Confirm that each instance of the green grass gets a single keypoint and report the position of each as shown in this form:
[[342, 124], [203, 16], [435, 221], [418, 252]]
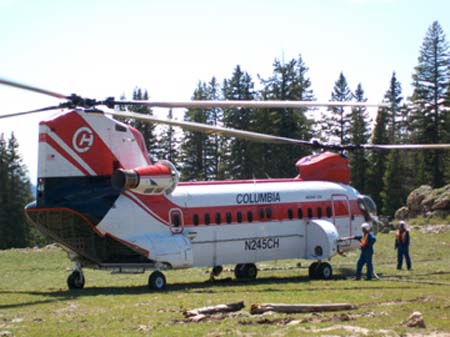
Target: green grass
[[34, 300]]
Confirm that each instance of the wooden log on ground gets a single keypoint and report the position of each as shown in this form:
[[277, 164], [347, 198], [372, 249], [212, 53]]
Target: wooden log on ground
[[298, 308], [215, 309]]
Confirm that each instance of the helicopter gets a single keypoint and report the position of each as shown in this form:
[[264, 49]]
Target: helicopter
[[101, 198]]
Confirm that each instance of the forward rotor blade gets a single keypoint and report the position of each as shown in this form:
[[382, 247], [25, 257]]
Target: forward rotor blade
[[31, 88], [205, 128], [406, 146], [249, 104], [30, 112]]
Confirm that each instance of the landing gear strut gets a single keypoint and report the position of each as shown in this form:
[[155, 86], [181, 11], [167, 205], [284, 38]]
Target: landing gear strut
[[76, 279], [320, 270], [157, 280], [245, 271]]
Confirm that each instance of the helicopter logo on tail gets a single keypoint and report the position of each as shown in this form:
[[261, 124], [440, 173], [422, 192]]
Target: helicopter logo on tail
[[83, 139]]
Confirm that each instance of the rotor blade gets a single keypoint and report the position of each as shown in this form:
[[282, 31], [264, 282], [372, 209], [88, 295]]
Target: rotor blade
[[15, 114], [249, 104], [205, 128], [406, 146], [31, 88]]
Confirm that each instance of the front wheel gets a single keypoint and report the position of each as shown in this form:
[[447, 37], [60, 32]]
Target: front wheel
[[325, 271], [157, 281]]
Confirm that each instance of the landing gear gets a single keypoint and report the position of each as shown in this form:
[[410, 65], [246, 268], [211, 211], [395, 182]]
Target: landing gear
[[320, 270], [76, 280], [157, 281], [246, 271], [216, 271]]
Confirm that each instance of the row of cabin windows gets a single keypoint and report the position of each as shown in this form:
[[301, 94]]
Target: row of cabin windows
[[262, 213]]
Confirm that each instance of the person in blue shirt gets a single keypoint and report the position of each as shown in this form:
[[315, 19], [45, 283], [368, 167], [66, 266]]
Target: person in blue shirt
[[402, 245], [366, 242]]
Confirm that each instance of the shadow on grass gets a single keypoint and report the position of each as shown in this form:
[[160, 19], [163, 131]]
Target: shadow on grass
[[221, 285]]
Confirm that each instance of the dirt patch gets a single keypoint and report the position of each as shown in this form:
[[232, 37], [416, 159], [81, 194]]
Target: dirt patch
[[433, 229]]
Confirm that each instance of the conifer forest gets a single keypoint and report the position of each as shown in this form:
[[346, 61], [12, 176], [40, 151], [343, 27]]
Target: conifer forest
[[387, 176]]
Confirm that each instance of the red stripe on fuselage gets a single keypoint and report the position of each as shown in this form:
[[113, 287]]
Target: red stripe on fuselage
[[50, 141], [159, 207]]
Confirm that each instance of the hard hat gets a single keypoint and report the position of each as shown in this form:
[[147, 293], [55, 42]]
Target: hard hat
[[365, 226]]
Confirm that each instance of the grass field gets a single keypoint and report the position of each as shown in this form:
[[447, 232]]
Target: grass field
[[35, 301]]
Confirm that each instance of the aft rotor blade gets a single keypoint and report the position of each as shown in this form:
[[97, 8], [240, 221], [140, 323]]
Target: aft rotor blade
[[205, 128], [406, 146], [249, 104], [31, 88], [15, 114]]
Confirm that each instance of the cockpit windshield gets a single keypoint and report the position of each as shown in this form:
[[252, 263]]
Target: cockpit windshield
[[367, 205]]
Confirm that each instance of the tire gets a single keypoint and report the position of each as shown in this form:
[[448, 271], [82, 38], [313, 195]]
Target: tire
[[75, 280], [239, 271], [325, 271], [217, 270], [313, 270], [250, 271], [157, 281]]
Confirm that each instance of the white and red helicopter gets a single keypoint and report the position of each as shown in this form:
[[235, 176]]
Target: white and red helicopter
[[101, 198]]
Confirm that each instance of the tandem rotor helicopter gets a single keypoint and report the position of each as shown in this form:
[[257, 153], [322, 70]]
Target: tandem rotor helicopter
[[102, 200]]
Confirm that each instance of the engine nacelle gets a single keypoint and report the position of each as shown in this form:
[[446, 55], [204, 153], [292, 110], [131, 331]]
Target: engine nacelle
[[326, 166], [159, 178]]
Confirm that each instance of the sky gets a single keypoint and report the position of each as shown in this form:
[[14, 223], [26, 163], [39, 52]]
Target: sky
[[99, 48]]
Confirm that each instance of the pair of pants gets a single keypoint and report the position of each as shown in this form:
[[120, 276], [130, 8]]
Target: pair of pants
[[364, 259], [403, 251]]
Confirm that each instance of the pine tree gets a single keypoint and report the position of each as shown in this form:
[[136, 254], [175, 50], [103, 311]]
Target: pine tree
[[337, 123], [359, 134], [169, 143], [147, 129], [199, 162], [288, 82], [15, 194], [239, 160], [429, 118]]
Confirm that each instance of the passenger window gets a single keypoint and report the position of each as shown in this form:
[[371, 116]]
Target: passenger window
[[250, 216], [229, 217], [195, 219], [310, 213], [329, 211], [290, 214], [261, 213], [207, 219], [239, 217], [269, 213], [300, 213], [218, 219], [319, 212]]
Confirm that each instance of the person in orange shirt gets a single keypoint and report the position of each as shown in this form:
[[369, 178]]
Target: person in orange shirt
[[402, 241], [366, 242]]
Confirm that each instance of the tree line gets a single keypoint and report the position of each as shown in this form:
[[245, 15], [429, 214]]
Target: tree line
[[388, 176]]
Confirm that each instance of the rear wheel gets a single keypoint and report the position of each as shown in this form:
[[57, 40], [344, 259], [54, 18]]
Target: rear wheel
[[75, 280], [157, 281], [250, 271], [313, 270]]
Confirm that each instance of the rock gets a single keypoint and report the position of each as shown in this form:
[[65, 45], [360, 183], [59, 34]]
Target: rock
[[415, 198], [442, 201], [402, 213], [415, 320]]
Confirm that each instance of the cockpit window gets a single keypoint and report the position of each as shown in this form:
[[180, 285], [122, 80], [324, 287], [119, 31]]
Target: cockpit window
[[367, 205]]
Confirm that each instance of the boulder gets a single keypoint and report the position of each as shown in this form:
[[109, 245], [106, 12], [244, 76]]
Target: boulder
[[415, 199], [424, 201], [402, 213]]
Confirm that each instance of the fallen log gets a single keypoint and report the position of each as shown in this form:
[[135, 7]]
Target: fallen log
[[298, 308], [214, 309]]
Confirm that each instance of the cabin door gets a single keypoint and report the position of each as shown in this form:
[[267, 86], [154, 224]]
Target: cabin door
[[342, 218], [176, 221]]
